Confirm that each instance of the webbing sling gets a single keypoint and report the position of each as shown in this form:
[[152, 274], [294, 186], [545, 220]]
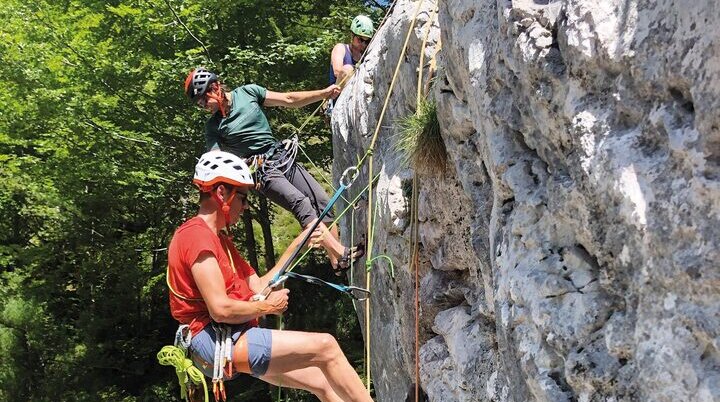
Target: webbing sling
[[355, 292]]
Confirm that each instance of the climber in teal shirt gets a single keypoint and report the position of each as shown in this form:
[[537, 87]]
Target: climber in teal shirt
[[245, 130], [238, 125]]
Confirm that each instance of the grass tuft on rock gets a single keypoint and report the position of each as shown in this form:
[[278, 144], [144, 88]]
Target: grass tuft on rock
[[421, 146]]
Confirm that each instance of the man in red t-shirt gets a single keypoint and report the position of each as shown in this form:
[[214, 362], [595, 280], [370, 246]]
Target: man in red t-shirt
[[211, 283]]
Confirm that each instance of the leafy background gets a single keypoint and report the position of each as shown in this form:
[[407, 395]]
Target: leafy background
[[97, 147]]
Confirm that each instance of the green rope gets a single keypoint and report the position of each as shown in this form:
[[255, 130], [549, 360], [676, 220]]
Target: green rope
[[368, 153], [352, 242], [368, 264], [187, 373]]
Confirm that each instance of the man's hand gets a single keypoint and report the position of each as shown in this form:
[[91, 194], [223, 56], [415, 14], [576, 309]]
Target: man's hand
[[318, 236], [333, 91], [277, 301]]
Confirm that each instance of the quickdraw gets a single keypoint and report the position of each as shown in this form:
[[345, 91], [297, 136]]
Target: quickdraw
[[355, 292], [222, 358]]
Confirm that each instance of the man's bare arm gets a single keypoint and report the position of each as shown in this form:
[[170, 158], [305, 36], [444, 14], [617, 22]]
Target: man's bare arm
[[208, 277]]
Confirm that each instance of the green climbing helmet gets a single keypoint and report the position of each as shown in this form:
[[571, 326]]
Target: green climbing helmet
[[362, 25]]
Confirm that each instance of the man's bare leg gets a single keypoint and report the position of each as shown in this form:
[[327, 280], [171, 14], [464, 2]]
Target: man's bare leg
[[294, 350], [310, 379]]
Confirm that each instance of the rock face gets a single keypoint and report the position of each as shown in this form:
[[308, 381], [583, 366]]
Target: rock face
[[570, 250]]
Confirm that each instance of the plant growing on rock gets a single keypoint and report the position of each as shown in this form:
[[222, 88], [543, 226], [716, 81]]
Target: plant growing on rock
[[420, 144]]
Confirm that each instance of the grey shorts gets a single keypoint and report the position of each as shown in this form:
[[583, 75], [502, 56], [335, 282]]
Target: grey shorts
[[259, 345]]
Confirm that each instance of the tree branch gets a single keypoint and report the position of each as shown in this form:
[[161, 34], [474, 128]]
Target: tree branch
[[177, 17]]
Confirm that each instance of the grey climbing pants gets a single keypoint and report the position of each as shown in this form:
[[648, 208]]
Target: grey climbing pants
[[296, 190]]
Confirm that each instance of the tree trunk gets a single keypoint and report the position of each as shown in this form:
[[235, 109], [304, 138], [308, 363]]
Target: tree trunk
[[250, 243], [264, 220]]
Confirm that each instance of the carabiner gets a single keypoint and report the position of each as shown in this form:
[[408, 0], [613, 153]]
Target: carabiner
[[277, 281], [364, 293], [353, 170]]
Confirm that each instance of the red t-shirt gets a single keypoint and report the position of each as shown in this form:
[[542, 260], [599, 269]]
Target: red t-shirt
[[189, 241]]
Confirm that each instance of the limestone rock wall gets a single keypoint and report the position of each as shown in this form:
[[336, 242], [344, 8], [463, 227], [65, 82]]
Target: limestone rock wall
[[570, 251]]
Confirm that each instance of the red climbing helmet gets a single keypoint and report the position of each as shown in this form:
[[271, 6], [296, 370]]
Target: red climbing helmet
[[198, 81]]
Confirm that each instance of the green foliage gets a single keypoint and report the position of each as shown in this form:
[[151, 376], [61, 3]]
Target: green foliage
[[420, 144], [97, 146]]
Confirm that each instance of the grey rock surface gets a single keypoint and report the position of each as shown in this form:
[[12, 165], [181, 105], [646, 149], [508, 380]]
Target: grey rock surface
[[570, 250]]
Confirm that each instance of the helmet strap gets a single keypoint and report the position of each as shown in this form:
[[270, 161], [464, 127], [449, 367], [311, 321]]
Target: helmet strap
[[219, 95], [225, 206]]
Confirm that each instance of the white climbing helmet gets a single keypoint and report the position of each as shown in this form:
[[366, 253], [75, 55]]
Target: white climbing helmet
[[216, 167]]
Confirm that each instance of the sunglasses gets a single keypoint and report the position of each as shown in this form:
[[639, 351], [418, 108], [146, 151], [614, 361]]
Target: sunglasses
[[362, 40], [235, 194]]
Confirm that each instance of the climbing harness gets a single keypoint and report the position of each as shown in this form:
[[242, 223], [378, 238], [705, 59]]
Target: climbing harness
[[288, 149], [280, 156], [189, 376]]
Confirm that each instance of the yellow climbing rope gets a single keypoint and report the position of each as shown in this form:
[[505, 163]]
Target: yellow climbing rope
[[172, 289], [369, 154], [188, 375], [414, 206]]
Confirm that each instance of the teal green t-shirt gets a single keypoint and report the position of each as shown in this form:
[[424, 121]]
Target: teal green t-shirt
[[245, 131]]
